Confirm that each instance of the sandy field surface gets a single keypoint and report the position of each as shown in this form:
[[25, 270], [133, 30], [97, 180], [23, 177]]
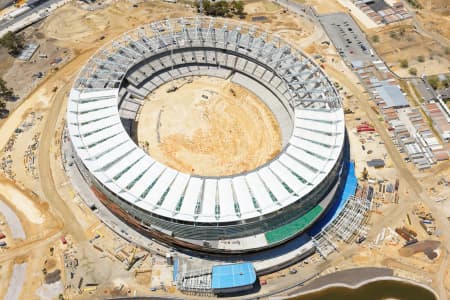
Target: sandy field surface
[[208, 127]]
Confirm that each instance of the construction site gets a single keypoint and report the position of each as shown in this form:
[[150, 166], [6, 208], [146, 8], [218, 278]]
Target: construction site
[[391, 207], [199, 112]]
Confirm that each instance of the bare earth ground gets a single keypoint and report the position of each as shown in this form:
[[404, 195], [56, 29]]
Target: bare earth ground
[[435, 16], [209, 127], [409, 44], [81, 32]]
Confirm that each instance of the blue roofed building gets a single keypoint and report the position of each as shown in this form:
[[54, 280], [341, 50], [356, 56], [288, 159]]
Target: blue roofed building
[[233, 278]]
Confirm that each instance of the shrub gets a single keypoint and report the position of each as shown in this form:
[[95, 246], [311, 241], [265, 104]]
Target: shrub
[[404, 63], [413, 71], [13, 42], [433, 81]]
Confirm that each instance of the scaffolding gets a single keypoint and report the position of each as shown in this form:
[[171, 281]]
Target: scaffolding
[[305, 82], [196, 282], [348, 225]]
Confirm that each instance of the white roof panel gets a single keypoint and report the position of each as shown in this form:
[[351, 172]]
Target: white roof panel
[[89, 106], [176, 192], [135, 171], [101, 123], [147, 179], [273, 183], [315, 136], [114, 154], [285, 175], [305, 157], [162, 186], [226, 198], [102, 134], [315, 147], [109, 147], [297, 167], [258, 190], [209, 198], [119, 167], [325, 115], [243, 195], [95, 115], [314, 126], [192, 196]]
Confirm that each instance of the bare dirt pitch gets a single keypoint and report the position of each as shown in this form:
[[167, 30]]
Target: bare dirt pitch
[[209, 127]]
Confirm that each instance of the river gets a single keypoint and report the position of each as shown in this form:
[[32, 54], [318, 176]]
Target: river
[[376, 290]]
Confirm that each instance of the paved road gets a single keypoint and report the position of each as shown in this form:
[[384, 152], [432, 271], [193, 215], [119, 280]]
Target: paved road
[[424, 89], [42, 6]]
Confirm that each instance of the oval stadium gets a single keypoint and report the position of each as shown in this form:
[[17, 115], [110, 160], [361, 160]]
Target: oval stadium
[[215, 207]]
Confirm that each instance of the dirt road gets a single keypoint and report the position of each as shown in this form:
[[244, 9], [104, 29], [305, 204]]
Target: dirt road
[[45, 153]]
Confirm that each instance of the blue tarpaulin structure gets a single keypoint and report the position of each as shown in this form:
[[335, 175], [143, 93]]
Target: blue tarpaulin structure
[[233, 276], [175, 269], [340, 200]]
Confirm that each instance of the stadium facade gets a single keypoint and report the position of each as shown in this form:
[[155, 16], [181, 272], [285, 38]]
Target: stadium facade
[[208, 213]]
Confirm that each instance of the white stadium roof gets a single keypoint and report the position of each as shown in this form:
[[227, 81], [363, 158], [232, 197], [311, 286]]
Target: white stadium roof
[[108, 152]]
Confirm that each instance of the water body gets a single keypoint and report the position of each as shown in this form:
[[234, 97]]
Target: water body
[[376, 290]]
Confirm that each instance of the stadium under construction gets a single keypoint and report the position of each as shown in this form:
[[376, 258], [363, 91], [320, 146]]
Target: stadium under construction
[[273, 206]]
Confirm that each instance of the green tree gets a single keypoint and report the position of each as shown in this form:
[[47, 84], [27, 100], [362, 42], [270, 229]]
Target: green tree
[[375, 38], [13, 42], [413, 71], [404, 63], [222, 8], [433, 80], [421, 58], [238, 7], [5, 92]]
